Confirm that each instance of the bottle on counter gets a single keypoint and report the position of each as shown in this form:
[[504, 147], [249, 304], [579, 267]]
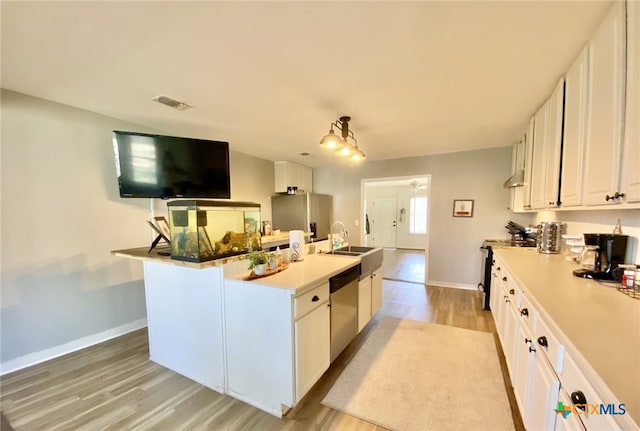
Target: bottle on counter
[[278, 257]]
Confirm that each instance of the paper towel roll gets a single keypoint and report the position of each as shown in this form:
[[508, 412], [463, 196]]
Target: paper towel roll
[[296, 245]]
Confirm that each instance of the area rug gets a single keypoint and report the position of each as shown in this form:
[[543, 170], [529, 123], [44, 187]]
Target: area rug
[[411, 376]]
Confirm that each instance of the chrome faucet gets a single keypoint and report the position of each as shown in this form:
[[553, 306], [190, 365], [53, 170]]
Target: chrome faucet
[[343, 232]]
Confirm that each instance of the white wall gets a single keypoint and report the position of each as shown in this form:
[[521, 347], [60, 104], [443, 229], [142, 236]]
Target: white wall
[[454, 254], [60, 218], [600, 221]]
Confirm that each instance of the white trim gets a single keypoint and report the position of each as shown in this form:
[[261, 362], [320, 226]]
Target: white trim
[[72, 346], [453, 285]]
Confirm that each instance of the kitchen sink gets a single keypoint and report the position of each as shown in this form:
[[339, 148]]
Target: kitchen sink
[[370, 257], [355, 249], [346, 253]]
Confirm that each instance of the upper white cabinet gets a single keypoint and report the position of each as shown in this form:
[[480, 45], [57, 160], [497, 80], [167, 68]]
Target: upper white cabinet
[[553, 147], [547, 144], [575, 116], [528, 163], [538, 157], [630, 183], [605, 110], [290, 174]]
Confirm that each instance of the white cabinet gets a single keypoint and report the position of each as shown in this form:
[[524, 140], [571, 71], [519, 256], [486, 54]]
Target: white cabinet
[[369, 297], [547, 144], [605, 114], [528, 164], [376, 291], [544, 388], [631, 153], [277, 345], [364, 302], [553, 147], [575, 117], [583, 396], [312, 348], [538, 157], [290, 174]]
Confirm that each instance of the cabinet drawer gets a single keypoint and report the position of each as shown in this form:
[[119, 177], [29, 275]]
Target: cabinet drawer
[[310, 300], [580, 392], [546, 342], [527, 313]]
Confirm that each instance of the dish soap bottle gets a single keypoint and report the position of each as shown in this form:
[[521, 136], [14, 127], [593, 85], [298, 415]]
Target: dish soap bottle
[[278, 257]]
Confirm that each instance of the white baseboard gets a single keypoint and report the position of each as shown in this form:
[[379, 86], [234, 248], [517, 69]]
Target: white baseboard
[[453, 285], [72, 346]]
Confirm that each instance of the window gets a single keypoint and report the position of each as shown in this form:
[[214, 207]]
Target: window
[[418, 215]]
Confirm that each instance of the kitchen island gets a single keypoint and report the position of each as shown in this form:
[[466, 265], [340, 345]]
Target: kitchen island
[[594, 326], [261, 341]]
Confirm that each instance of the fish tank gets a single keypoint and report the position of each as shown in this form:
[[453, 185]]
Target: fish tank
[[203, 230]]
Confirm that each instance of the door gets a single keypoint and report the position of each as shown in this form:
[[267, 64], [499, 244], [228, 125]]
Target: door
[[383, 225]]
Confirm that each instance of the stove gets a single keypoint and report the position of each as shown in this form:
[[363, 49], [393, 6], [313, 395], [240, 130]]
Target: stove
[[487, 247]]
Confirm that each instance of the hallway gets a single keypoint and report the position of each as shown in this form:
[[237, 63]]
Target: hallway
[[401, 264]]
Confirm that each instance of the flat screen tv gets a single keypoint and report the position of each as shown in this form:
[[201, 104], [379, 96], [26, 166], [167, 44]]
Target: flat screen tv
[[156, 166]]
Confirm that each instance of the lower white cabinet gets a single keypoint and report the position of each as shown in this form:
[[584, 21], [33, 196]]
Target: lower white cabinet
[[542, 393], [312, 348], [584, 399], [376, 291], [369, 297], [567, 421], [542, 370], [364, 302], [277, 345]]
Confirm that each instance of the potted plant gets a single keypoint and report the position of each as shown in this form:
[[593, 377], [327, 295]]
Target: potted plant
[[258, 261]]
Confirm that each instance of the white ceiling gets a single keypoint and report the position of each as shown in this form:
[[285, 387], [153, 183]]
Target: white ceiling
[[269, 77]]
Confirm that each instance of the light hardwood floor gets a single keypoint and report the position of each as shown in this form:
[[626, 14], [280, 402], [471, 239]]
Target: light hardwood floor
[[403, 265], [114, 386]]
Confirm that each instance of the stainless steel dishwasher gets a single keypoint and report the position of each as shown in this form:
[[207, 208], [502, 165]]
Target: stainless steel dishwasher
[[344, 309]]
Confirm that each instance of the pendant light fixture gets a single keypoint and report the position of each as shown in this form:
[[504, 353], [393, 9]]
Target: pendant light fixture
[[341, 143]]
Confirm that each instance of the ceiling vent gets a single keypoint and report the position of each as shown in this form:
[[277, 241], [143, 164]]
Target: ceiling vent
[[175, 104]]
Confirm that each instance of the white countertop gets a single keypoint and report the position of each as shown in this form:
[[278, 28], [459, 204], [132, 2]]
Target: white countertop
[[308, 273], [600, 326]]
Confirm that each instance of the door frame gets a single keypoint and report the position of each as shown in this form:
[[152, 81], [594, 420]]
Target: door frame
[[399, 180]]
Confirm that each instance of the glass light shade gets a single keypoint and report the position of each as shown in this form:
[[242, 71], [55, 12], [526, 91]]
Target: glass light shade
[[331, 140], [346, 150], [357, 155]]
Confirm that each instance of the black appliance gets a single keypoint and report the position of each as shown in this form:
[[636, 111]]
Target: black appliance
[[487, 262], [611, 252], [156, 166]]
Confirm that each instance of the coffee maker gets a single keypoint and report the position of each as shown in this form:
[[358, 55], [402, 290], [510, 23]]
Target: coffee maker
[[610, 253]]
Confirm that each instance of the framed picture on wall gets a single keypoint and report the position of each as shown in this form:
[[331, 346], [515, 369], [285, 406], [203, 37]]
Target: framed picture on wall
[[463, 208]]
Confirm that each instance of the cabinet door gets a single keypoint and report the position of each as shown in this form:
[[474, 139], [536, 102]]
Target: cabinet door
[[575, 110], [553, 147], [538, 166], [630, 169], [543, 394], [376, 291], [522, 373], [604, 125], [312, 334], [364, 302], [570, 422], [528, 164]]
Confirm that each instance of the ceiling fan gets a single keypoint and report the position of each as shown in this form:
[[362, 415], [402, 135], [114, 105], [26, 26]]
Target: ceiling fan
[[416, 185]]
